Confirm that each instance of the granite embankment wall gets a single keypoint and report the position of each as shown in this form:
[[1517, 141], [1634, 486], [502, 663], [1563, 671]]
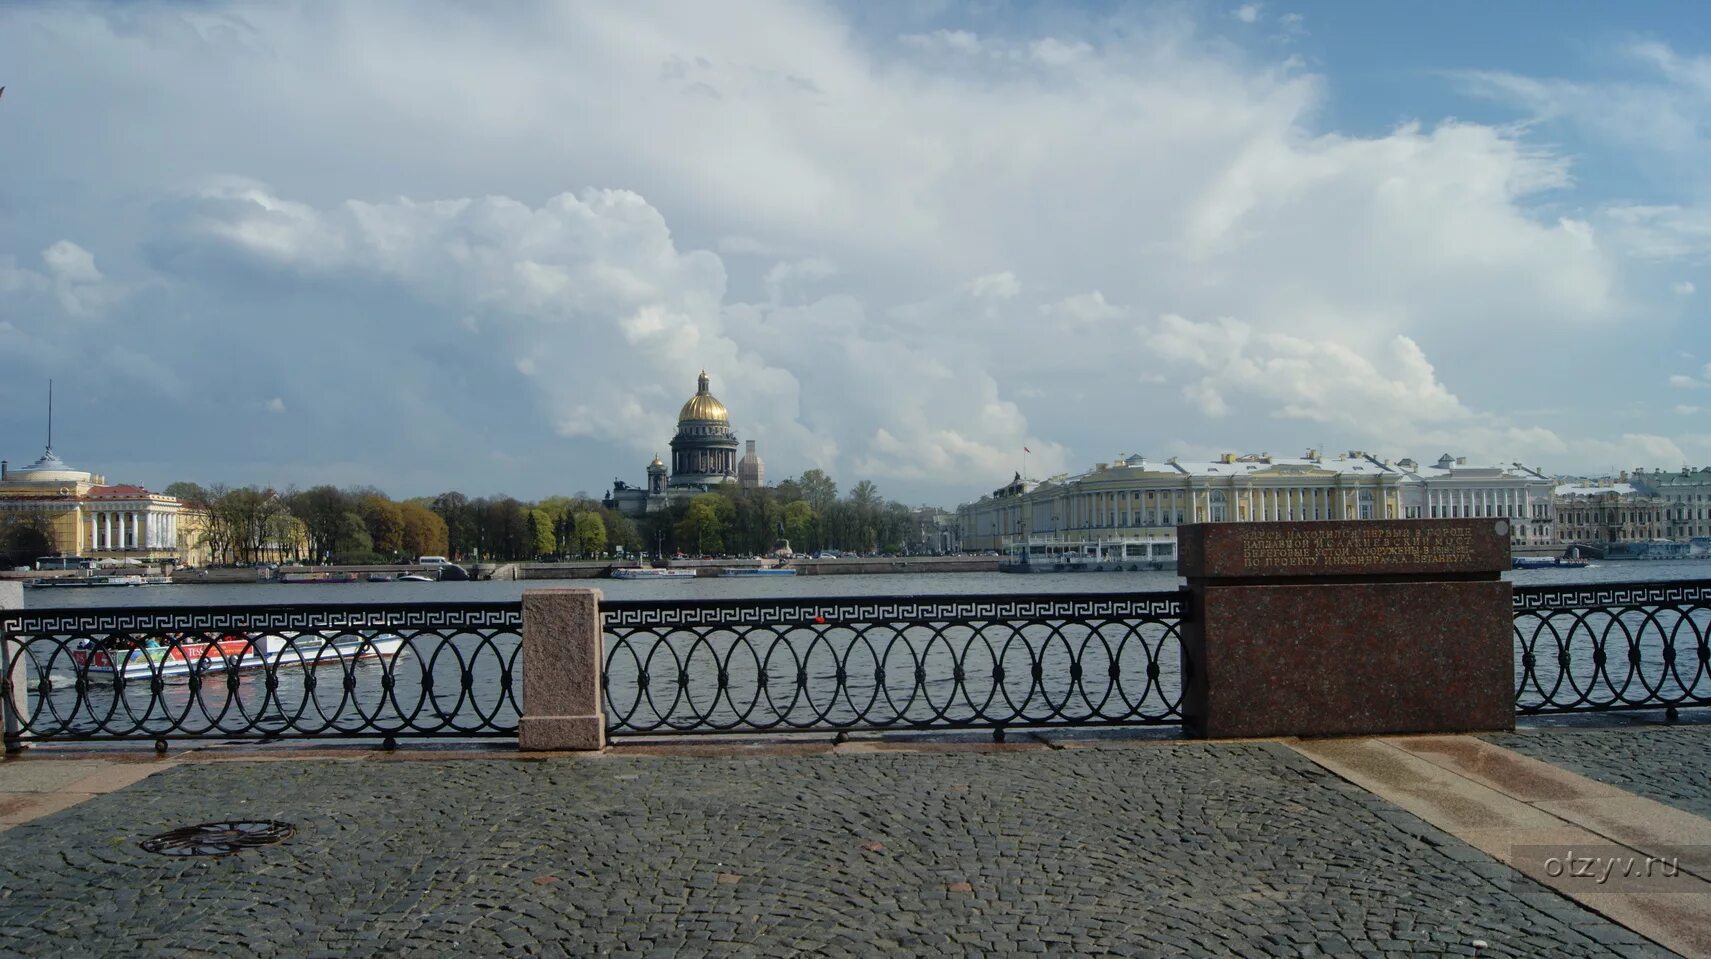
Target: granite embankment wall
[[594, 569]]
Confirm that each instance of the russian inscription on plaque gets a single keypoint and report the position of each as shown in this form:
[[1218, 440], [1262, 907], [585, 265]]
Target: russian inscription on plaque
[[1347, 628]]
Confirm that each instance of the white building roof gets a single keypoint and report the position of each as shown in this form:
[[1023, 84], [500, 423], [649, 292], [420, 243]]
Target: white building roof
[[1578, 489]]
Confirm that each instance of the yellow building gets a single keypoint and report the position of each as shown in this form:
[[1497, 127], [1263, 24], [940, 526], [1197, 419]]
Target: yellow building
[[84, 516]]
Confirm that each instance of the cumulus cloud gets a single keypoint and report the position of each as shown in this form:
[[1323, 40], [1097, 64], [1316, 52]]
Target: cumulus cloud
[[899, 257]]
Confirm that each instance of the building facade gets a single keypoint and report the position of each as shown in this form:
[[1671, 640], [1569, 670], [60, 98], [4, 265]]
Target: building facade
[[703, 459], [1140, 503], [82, 515], [1686, 500], [1612, 516], [1451, 488]]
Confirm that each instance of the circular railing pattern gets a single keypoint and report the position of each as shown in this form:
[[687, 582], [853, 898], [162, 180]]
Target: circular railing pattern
[[266, 672], [893, 663], [1619, 646]]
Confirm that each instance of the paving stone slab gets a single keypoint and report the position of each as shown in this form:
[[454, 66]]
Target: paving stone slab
[[1671, 764], [1190, 849]]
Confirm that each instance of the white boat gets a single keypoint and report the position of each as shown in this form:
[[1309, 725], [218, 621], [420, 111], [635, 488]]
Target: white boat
[[652, 572], [415, 578], [80, 582], [1105, 556], [228, 654], [758, 571]]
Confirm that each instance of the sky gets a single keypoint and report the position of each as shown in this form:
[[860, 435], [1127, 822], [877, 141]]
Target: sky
[[428, 246]]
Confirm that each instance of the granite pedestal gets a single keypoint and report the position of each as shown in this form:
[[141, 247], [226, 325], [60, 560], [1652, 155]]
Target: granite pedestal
[[563, 644], [1347, 628]]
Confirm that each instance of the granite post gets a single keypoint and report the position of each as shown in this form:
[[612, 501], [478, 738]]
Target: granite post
[[1347, 628], [563, 652], [14, 678]]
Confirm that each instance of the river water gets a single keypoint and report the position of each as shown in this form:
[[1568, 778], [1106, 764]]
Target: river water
[[733, 680], [762, 587]]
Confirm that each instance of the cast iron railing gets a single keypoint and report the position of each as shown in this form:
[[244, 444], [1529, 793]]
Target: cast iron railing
[[393, 671], [1612, 646], [385, 671], [893, 663]]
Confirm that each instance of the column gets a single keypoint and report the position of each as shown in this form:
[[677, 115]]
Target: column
[[562, 656], [94, 532], [107, 530]]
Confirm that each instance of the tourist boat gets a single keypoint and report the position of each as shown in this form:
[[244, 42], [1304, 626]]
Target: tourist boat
[[1110, 556], [414, 578], [227, 654], [652, 572], [1548, 562], [319, 576], [381, 577], [758, 571], [81, 582]]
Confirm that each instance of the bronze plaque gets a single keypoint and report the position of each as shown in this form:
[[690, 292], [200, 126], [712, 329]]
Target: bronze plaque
[[1343, 548]]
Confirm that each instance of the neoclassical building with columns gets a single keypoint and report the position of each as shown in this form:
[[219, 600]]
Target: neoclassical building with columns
[[1139, 502], [82, 515]]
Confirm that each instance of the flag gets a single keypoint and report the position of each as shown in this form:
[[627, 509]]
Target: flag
[[1026, 450]]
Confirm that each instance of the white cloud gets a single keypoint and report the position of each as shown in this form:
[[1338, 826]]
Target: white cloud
[[1682, 288], [1684, 409], [998, 286], [903, 256], [275, 405], [76, 282], [1082, 309], [1247, 12]]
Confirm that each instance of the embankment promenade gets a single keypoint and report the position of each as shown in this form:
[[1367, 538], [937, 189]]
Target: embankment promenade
[[1062, 843]]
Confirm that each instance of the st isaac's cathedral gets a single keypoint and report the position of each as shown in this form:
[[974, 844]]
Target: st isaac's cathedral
[[703, 458]]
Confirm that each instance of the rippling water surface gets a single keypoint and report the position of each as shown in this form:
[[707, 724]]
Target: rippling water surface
[[423, 686], [900, 584]]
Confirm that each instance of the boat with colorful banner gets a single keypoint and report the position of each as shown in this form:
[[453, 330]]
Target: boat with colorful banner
[[184, 657]]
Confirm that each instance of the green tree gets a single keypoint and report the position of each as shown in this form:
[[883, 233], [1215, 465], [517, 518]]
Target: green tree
[[322, 510], [590, 534], [701, 529], [799, 525], [453, 509], [352, 543], [620, 531], [818, 489], [541, 527]]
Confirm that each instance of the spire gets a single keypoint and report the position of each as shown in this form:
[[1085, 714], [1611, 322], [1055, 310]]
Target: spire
[[50, 417]]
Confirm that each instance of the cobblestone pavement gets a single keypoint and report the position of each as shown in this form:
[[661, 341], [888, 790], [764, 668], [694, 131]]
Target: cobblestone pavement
[[1671, 764], [1190, 849]]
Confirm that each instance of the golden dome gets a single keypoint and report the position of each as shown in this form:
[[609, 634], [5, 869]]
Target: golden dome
[[703, 406]]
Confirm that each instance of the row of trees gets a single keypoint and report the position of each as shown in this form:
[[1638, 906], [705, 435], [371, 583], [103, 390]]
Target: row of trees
[[362, 525], [806, 511]]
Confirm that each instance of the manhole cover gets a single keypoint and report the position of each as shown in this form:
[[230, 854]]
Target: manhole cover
[[219, 838]]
